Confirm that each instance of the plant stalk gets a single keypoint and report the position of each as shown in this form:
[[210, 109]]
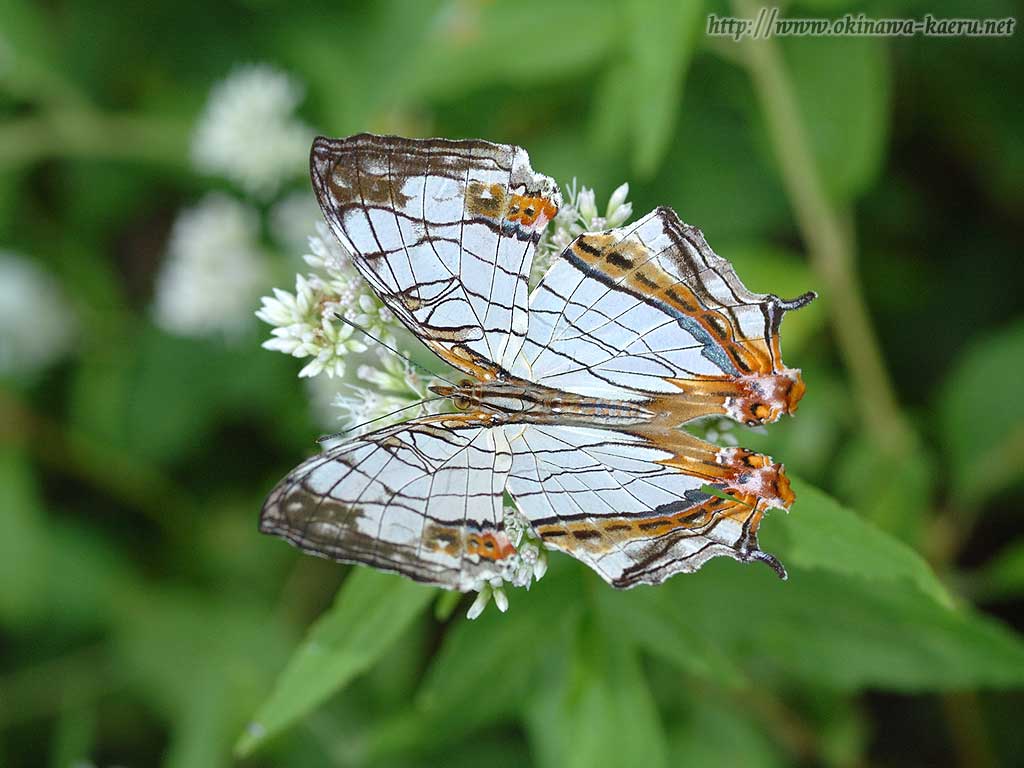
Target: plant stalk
[[828, 243]]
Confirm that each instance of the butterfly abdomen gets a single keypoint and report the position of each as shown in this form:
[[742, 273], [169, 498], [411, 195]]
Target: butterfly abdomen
[[523, 401]]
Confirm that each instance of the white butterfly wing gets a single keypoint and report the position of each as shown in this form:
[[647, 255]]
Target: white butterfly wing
[[630, 505], [423, 499], [649, 311], [445, 233]]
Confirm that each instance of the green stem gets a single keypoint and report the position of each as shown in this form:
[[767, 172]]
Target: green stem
[[137, 485], [830, 247], [828, 242], [82, 132]]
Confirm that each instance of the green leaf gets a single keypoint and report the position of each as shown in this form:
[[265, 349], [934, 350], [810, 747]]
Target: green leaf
[[598, 709], [486, 667], [85, 571], [661, 44], [200, 659], [135, 397], [841, 631], [518, 45], [1003, 577], [24, 549], [842, 89], [647, 618], [30, 64], [982, 417], [372, 609], [202, 729], [74, 737], [820, 534], [860, 609], [713, 174], [639, 96], [715, 734], [895, 492]]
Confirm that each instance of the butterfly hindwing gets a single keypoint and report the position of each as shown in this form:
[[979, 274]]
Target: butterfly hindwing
[[631, 505], [445, 233], [423, 498]]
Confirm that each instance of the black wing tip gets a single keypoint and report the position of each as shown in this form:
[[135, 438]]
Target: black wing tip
[[800, 301], [770, 560]]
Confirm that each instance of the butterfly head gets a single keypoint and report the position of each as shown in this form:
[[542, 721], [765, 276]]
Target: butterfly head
[[462, 395]]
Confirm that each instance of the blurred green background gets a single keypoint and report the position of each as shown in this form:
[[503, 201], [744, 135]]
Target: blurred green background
[[144, 622]]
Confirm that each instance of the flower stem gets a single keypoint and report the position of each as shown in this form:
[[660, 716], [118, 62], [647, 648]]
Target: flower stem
[[829, 244], [83, 132]]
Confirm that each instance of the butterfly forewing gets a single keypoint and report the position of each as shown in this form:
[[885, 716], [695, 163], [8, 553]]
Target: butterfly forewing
[[445, 233], [650, 311]]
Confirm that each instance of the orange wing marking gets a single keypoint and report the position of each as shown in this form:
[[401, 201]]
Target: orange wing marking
[[634, 267], [495, 202]]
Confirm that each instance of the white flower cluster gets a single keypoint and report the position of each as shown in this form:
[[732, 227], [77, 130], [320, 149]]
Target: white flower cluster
[[577, 215], [36, 324], [248, 132], [396, 393], [214, 269], [528, 565], [307, 323]]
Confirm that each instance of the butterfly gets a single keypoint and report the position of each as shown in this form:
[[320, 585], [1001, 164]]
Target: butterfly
[[574, 392]]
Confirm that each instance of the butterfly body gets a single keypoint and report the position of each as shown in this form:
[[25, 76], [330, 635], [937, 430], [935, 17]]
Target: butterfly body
[[575, 391], [519, 401]]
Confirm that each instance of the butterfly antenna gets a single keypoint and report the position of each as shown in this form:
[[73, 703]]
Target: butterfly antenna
[[392, 349], [344, 432]]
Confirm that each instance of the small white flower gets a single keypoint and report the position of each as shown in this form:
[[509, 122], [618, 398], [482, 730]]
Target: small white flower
[[482, 599], [618, 198], [213, 270], [500, 598], [248, 132], [306, 325], [36, 323], [586, 204], [522, 569], [540, 566], [353, 298], [327, 252], [619, 209]]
